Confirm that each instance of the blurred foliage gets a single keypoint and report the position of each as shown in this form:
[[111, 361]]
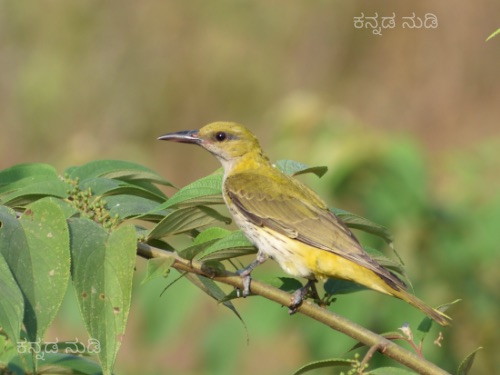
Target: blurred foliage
[[84, 80]]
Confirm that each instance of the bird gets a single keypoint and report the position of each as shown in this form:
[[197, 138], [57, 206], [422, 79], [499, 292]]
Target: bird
[[288, 222]]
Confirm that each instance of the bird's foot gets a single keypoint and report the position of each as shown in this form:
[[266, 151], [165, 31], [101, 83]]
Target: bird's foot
[[245, 280], [245, 273], [301, 293]]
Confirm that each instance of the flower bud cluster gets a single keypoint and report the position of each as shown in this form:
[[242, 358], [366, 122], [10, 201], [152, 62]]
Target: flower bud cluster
[[89, 205]]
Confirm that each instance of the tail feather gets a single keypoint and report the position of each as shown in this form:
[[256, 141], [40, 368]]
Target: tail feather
[[436, 315]]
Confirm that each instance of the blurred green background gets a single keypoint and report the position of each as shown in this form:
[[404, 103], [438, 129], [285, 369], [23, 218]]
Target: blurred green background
[[407, 122]]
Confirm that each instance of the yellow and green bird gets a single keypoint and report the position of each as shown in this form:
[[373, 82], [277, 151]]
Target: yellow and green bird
[[287, 221]]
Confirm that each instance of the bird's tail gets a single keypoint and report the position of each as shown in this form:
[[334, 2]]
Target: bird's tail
[[436, 315]]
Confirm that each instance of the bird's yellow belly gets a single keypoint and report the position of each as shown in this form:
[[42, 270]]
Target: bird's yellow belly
[[301, 260]]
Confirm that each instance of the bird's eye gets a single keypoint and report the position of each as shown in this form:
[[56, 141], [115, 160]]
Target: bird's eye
[[220, 136]]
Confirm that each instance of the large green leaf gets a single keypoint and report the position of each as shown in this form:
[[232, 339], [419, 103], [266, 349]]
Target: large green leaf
[[205, 191], [31, 188], [11, 297], [11, 302], [39, 258], [130, 206], [21, 171], [64, 205], [202, 241], [102, 186], [103, 266], [44, 284], [118, 169], [23, 183], [186, 219], [232, 245]]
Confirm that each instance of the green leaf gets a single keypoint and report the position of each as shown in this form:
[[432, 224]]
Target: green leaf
[[202, 241], [338, 286], [205, 191], [8, 349], [103, 267], [157, 267], [192, 251], [335, 362], [78, 364], [424, 327], [131, 206], [147, 186], [19, 172], [211, 288], [495, 33], [118, 169], [211, 234], [38, 256], [55, 363], [358, 222], [287, 284], [229, 253], [466, 365], [106, 187], [67, 209], [390, 371], [233, 244], [186, 219], [295, 168], [32, 188], [11, 297]]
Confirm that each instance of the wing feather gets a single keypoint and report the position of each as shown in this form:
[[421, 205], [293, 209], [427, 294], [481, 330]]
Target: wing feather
[[289, 207]]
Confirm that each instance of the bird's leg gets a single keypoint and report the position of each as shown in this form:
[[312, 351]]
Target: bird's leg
[[301, 293], [245, 272]]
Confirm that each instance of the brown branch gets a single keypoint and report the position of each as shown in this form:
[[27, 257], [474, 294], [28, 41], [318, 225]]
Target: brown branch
[[320, 314]]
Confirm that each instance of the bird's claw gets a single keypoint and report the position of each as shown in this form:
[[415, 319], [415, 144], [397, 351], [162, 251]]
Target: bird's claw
[[245, 279], [297, 299], [299, 295], [245, 273]]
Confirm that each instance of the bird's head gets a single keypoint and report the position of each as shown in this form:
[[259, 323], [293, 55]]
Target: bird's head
[[227, 141]]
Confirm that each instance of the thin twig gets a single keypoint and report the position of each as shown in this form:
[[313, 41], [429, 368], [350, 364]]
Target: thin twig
[[369, 354]]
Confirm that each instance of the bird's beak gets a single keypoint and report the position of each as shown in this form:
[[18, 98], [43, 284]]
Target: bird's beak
[[186, 136]]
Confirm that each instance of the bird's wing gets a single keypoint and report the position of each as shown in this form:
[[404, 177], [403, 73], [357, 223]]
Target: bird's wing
[[287, 206]]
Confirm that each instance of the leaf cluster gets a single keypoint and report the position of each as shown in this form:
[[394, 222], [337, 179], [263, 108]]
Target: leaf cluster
[[82, 228]]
